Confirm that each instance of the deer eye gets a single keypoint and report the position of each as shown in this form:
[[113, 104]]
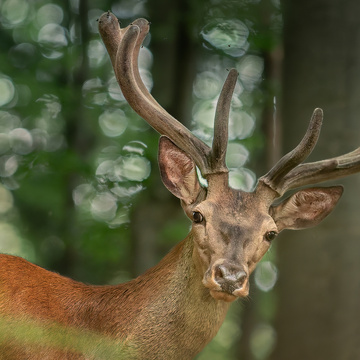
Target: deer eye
[[197, 217], [270, 235]]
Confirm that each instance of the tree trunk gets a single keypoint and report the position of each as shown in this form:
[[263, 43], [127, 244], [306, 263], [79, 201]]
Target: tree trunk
[[319, 286]]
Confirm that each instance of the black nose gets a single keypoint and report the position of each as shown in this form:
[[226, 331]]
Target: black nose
[[230, 278]]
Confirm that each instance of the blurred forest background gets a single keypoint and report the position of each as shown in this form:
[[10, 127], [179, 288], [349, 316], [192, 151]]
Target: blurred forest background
[[80, 192]]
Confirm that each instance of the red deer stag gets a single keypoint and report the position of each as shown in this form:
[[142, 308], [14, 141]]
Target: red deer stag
[[174, 309]]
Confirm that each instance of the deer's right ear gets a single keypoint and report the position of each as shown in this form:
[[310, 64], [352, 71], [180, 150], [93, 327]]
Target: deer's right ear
[[178, 171]]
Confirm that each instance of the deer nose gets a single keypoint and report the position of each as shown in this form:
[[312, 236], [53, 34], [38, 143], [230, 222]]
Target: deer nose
[[230, 277]]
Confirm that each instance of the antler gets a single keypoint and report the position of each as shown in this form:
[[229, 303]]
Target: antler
[[288, 173], [123, 46]]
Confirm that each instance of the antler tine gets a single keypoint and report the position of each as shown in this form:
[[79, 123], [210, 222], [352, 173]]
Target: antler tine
[[111, 34], [221, 125], [319, 171], [144, 27], [275, 177], [289, 174]]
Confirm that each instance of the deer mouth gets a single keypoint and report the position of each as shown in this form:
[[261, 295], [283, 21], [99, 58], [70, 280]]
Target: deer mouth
[[226, 292], [222, 295], [228, 295]]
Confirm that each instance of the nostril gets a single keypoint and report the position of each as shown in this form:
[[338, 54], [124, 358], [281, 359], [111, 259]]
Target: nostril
[[221, 272], [241, 277]]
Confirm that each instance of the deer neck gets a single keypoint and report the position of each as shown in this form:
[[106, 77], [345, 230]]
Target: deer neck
[[170, 302]]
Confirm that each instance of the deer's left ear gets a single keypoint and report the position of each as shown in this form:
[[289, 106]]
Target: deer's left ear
[[306, 207], [178, 171]]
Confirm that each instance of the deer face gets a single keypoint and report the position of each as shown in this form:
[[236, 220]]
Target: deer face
[[232, 229], [231, 234]]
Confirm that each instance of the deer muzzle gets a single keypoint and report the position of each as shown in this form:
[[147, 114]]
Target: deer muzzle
[[227, 282]]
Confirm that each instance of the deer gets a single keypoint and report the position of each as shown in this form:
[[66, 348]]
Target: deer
[[176, 307]]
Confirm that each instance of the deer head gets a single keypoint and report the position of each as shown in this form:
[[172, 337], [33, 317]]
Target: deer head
[[231, 229]]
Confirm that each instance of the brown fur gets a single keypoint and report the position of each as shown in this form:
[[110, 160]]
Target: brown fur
[[138, 315]]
